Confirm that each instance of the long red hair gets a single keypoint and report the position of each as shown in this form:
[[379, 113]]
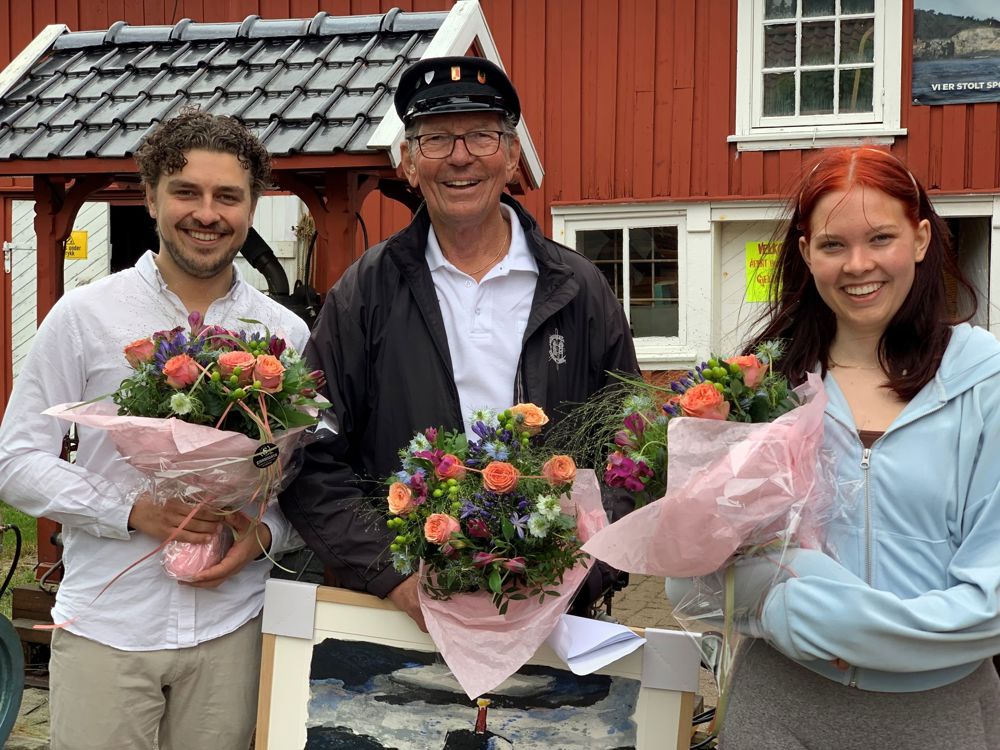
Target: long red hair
[[913, 343]]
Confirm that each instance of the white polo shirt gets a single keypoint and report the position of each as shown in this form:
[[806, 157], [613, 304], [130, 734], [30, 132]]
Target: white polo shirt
[[485, 322]]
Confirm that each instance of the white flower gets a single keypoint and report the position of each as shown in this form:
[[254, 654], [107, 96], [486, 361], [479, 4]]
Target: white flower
[[487, 416], [180, 403], [548, 507], [290, 357], [419, 443], [538, 525]]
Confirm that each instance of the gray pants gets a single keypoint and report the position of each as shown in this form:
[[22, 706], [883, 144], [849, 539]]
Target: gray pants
[[776, 704]]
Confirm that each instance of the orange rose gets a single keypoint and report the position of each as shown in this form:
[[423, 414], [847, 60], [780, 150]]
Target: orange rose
[[181, 371], [533, 418], [229, 361], [400, 499], [270, 372], [439, 527], [751, 367], [704, 401], [450, 467], [559, 470], [139, 352], [501, 477]]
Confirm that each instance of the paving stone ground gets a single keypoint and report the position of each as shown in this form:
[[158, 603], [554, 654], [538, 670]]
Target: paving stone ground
[[642, 604]]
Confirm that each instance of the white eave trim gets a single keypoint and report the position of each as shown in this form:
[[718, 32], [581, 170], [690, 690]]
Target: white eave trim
[[31, 54], [464, 26]]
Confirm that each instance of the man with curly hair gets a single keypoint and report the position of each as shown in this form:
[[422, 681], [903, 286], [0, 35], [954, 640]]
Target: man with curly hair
[[153, 660]]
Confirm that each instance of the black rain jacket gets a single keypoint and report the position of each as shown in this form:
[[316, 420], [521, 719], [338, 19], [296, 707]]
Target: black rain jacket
[[381, 341]]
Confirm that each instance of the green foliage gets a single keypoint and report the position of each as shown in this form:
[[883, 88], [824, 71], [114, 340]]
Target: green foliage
[[25, 572]]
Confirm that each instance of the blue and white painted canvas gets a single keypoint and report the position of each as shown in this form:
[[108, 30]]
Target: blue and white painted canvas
[[368, 696]]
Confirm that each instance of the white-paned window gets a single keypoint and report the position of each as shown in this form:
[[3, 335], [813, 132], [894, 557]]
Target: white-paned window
[[644, 252], [817, 72]]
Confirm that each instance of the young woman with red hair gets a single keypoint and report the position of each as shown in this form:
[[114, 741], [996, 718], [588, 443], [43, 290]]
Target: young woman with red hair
[[885, 641]]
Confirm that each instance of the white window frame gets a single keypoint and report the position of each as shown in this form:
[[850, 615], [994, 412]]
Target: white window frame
[[695, 264], [757, 133]]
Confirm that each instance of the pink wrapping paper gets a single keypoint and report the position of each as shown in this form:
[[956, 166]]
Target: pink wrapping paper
[[729, 485], [199, 463], [483, 648]]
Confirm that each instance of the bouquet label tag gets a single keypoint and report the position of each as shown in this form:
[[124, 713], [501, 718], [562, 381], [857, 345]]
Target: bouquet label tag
[[265, 455]]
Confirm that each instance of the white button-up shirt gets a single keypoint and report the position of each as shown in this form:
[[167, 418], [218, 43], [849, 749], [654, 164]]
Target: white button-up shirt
[[77, 355], [485, 322]]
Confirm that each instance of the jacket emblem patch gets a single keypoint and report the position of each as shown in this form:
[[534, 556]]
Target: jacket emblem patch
[[557, 348]]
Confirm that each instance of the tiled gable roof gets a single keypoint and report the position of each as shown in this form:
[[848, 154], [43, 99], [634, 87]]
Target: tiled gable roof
[[305, 86]]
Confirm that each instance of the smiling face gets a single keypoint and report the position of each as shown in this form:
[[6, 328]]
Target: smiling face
[[862, 251], [461, 190], [203, 213]]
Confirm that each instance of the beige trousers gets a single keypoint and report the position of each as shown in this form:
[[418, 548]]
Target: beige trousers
[[198, 698]]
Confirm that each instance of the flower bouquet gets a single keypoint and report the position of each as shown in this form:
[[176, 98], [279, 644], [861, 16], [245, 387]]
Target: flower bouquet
[[732, 455], [210, 416], [493, 526]]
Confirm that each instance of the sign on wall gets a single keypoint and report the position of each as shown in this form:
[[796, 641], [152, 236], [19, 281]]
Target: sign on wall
[[76, 246], [761, 258], [956, 51]]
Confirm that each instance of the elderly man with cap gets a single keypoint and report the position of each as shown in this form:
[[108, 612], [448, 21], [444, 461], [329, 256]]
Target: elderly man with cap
[[469, 306]]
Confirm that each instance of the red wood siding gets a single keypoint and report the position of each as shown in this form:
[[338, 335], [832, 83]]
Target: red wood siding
[[625, 99]]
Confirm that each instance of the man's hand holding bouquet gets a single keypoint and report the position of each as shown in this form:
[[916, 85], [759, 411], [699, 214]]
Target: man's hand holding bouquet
[[493, 527], [210, 418]]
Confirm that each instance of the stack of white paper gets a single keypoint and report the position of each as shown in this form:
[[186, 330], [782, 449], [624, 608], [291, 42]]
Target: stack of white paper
[[587, 645]]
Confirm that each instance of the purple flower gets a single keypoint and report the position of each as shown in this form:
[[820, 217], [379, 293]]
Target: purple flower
[[431, 434], [636, 423], [520, 524], [476, 527], [623, 438], [515, 564], [276, 346], [622, 471]]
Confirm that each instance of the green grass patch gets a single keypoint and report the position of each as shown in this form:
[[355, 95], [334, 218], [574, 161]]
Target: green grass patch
[[25, 572]]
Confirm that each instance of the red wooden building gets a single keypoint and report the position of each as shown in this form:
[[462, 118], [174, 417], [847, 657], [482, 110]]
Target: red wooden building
[[668, 131]]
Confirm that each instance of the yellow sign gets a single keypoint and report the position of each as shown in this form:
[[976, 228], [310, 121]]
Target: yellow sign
[[761, 258], [76, 246]]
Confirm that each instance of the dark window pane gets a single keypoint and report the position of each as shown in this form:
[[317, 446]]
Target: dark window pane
[[856, 90], [779, 9], [857, 41], [653, 319], [652, 264], [779, 46], [818, 43], [857, 6], [779, 94], [818, 8], [604, 247], [817, 92]]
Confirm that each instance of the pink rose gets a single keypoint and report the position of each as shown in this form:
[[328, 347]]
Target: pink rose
[[439, 527], [270, 372], [230, 361], [400, 499], [450, 467], [559, 470], [139, 352], [181, 371], [751, 367], [704, 401]]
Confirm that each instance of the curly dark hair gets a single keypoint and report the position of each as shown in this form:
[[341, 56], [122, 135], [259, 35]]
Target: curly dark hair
[[164, 150]]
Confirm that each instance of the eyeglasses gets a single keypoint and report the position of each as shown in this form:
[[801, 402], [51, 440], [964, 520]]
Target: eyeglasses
[[477, 143]]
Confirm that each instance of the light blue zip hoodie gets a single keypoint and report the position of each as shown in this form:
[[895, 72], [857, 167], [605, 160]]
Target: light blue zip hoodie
[[913, 602]]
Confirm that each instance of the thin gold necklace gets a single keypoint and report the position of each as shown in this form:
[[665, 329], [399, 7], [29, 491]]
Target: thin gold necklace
[[503, 246]]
